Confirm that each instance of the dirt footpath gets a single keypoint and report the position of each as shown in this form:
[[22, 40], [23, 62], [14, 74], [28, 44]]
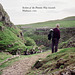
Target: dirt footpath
[[21, 67]]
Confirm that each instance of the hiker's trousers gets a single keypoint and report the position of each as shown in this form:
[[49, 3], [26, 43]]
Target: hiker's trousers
[[55, 45]]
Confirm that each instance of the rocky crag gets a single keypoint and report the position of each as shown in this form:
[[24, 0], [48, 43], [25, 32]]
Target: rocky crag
[[11, 38]]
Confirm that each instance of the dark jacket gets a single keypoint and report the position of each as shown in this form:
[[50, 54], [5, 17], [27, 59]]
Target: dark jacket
[[56, 33]]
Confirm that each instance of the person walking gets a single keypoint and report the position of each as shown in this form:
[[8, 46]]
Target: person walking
[[55, 39]]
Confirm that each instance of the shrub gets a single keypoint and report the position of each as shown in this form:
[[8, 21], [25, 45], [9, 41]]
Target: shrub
[[29, 42], [62, 66]]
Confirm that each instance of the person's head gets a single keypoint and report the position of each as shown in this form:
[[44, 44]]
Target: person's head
[[58, 25]]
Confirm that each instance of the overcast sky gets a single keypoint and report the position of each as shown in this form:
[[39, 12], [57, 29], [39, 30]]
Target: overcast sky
[[63, 8]]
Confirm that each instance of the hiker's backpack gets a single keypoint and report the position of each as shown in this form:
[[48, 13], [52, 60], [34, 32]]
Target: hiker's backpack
[[50, 35]]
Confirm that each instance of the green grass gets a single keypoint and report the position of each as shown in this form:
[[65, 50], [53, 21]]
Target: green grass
[[43, 39], [15, 30], [48, 61], [66, 43], [66, 55], [4, 56], [51, 24], [9, 63], [8, 37], [29, 42], [69, 18]]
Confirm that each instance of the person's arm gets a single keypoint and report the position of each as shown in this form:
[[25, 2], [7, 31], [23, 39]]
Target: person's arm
[[58, 35]]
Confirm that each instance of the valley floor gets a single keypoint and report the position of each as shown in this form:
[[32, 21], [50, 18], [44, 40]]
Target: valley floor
[[22, 66]]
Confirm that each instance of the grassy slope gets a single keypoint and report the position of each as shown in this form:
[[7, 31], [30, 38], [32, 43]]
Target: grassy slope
[[69, 43], [7, 37], [69, 18], [49, 62], [66, 22], [66, 57], [3, 57]]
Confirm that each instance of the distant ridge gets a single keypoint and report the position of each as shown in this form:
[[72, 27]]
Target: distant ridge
[[65, 22], [66, 18], [69, 18]]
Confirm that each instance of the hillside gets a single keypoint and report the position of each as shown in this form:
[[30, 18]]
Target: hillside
[[45, 63], [22, 64], [40, 36], [34, 40], [39, 32], [11, 37], [60, 63], [66, 22], [69, 18]]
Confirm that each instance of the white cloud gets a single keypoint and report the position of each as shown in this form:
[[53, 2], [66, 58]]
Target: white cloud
[[14, 9]]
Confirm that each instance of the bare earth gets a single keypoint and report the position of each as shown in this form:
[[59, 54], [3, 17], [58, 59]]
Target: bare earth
[[21, 67]]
